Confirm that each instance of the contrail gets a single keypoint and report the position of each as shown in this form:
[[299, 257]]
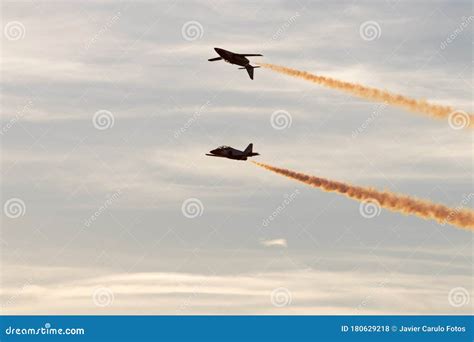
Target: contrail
[[373, 94], [463, 218]]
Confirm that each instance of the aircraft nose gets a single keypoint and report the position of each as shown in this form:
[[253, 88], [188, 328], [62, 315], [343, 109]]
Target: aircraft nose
[[213, 151], [217, 49]]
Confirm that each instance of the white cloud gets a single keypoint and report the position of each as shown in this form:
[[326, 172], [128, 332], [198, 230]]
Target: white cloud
[[153, 80], [313, 292], [275, 243]]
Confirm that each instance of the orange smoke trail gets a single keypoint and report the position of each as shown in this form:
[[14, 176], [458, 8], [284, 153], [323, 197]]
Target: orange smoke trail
[[463, 218], [420, 106]]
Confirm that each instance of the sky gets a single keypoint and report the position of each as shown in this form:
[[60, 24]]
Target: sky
[[110, 205]]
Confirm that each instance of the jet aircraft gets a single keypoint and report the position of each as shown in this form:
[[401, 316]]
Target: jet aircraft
[[232, 153], [236, 58]]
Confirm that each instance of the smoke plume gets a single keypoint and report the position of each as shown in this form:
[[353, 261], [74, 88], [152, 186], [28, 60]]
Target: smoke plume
[[373, 94], [460, 217]]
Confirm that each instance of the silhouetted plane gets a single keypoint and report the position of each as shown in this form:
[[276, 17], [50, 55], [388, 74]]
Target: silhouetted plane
[[232, 153], [236, 58]]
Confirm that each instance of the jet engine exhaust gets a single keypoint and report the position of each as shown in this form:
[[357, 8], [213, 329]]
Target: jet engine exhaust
[[373, 94], [407, 205]]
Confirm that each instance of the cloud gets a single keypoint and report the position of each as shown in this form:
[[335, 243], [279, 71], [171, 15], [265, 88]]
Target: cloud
[[275, 243], [312, 292], [141, 69]]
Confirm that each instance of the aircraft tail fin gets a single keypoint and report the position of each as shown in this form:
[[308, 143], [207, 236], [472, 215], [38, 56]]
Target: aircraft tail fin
[[249, 149], [250, 70]]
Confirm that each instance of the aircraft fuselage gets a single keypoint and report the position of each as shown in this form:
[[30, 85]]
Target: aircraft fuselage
[[232, 58], [236, 58], [232, 153]]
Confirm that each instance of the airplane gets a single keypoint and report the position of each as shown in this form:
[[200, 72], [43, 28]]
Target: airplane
[[236, 58], [232, 153]]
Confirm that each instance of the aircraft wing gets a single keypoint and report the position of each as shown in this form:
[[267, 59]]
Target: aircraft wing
[[212, 155], [214, 59]]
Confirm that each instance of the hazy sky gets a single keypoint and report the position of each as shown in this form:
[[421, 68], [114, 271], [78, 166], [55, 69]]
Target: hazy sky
[[108, 109]]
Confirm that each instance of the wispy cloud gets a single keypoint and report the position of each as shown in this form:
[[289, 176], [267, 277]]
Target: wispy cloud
[[312, 292], [275, 243], [137, 65]]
